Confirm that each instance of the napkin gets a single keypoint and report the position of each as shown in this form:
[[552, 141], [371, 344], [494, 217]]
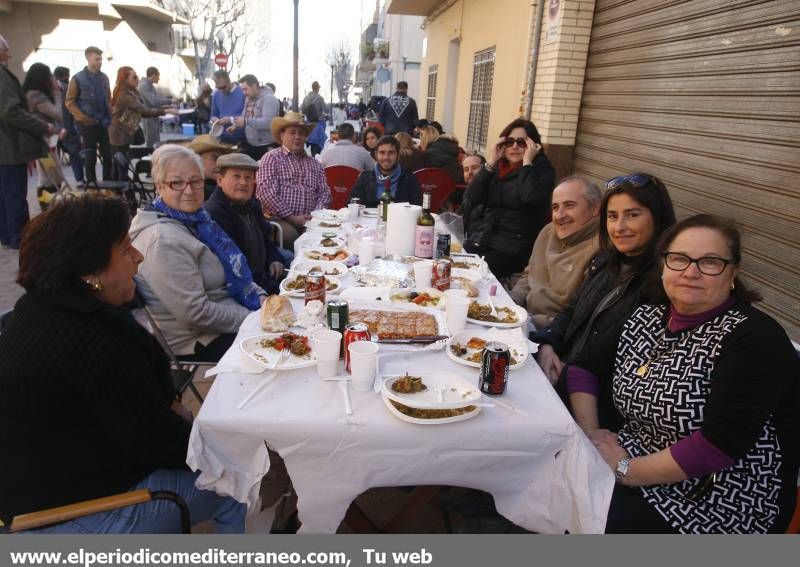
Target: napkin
[[235, 361]]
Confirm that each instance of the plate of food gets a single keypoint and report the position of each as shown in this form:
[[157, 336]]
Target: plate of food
[[295, 285], [266, 349], [326, 215], [430, 390], [327, 254], [466, 261], [399, 322], [323, 224], [464, 277], [329, 268], [324, 240], [426, 297], [467, 348], [430, 416], [507, 316], [369, 212]]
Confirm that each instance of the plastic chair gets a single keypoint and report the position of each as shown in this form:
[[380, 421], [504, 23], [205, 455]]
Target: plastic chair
[[341, 179], [53, 516], [437, 182], [137, 193]]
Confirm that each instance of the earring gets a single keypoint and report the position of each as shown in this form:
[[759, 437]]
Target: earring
[[94, 285], [733, 285]]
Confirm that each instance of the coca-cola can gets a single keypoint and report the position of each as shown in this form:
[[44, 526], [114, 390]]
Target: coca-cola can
[[352, 333], [494, 369], [315, 287], [440, 275]]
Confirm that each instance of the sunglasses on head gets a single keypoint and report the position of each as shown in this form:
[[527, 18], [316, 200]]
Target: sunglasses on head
[[521, 142], [636, 181]]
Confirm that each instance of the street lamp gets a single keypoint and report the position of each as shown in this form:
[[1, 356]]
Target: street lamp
[[296, 58]]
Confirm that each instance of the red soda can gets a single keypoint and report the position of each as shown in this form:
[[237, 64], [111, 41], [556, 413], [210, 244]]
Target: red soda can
[[315, 287], [494, 369], [440, 276], [352, 333]]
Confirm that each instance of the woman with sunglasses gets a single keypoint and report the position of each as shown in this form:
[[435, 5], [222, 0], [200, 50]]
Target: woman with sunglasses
[[508, 201], [635, 210], [708, 386], [194, 279]]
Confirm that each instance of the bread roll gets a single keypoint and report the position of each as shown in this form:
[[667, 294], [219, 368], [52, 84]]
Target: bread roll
[[277, 314]]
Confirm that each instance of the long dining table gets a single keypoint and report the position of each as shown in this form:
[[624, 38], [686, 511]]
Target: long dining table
[[525, 450]]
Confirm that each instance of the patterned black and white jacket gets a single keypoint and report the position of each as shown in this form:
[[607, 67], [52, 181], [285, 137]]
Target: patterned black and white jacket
[[734, 378]]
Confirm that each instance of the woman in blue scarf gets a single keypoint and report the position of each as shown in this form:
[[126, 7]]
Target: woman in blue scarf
[[194, 279]]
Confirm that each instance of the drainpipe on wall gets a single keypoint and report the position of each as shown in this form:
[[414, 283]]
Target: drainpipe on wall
[[537, 34]]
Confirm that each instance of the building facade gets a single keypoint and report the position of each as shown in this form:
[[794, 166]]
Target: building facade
[[703, 94]]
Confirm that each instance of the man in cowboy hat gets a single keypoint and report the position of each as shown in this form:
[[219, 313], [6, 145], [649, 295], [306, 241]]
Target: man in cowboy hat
[[290, 183], [209, 150]]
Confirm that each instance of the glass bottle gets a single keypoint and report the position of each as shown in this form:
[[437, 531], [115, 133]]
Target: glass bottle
[[423, 235], [386, 199]]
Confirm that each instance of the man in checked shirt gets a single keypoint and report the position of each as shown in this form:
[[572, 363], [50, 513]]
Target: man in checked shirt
[[289, 183]]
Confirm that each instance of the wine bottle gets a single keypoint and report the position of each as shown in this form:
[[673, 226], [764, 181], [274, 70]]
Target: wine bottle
[[423, 235], [386, 199]]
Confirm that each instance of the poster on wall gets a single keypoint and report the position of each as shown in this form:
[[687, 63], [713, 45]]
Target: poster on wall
[[553, 19]]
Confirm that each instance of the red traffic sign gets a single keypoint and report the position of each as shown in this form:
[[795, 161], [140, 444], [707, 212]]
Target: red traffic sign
[[221, 59]]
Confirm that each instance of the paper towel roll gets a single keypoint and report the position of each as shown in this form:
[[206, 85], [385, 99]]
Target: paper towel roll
[[400, 228]]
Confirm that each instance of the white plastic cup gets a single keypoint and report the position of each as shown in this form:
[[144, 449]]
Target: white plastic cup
[[423, 271], [366, 252], [355, 210], [326, 345], [363, 359], [456, 306]]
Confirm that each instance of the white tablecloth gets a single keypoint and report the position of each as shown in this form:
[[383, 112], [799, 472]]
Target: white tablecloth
[[543, 472]]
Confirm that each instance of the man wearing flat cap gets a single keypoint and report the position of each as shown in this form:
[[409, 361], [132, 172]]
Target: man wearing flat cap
[[290, 183], [209, 150], [233, 207]]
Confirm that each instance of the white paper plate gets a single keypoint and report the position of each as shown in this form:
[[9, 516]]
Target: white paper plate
[[369, 213], [404, 292], [325, 214], [315, 241], [304, 266], [316, 224], [265, 356], [473, 260], [458, 392], [395, 412], [308, 254], [472, 276], [301, 292], [522, 317], [519, 349]]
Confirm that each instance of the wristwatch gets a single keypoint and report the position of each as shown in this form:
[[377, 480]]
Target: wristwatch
[[488, 167], [622, 468]]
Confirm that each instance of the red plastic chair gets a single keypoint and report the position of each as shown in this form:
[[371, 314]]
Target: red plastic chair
[[375, 124], [341, 179], [436, 181]]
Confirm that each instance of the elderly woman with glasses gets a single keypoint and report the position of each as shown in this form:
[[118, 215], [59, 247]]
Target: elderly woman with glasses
[[508, 202], [709, 391], [194, 278], [635, 210]]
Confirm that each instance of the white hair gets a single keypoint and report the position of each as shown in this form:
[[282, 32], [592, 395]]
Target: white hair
[[591, 192], [168, 154]]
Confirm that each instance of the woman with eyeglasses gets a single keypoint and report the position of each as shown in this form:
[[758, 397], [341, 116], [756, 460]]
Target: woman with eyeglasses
[[636, 209], [508, 201], [128, 108], [193, 278], [709, 388]]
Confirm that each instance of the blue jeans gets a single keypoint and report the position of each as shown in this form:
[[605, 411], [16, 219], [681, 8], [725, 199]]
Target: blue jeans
[[161, 516], [13, 203]]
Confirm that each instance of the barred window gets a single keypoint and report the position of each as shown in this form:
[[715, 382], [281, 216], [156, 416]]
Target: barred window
[[480, 100], [433, 78]]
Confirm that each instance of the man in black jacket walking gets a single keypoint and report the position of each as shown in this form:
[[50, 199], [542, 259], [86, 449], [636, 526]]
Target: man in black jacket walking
[[233, 207], [371, 184], [398, 113]]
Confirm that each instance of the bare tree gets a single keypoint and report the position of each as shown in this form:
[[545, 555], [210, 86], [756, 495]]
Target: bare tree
[[341, 58]]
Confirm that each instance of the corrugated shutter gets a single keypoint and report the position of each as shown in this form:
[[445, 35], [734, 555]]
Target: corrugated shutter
[[705, 94]]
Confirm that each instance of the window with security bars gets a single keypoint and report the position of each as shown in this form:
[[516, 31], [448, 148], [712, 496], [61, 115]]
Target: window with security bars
[[433, 78], [480, 100]]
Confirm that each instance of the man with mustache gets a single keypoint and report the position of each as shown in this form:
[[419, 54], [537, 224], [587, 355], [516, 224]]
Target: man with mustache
[[562, 250]]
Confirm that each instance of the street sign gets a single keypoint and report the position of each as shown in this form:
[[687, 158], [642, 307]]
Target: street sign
[[221, 59]]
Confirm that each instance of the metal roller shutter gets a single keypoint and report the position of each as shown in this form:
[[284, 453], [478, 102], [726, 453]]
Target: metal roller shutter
[[705, 94]]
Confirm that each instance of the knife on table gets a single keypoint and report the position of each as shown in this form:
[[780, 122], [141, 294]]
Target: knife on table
[[415, 340]]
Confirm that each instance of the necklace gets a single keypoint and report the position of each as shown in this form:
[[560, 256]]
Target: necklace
[[644, 369]]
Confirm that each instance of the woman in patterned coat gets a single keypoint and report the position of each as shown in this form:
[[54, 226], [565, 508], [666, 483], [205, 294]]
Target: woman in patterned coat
[[709, 389]]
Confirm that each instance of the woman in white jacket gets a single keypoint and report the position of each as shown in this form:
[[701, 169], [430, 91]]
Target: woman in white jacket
[[193, 278]]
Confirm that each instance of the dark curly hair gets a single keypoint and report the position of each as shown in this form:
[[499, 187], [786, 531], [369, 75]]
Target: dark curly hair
[[39, 78], [527, 125], [72, 238]]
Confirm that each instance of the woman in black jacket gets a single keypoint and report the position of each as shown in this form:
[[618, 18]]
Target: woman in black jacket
[[508, 201], [635, 211], [441, 151], [87, 403]]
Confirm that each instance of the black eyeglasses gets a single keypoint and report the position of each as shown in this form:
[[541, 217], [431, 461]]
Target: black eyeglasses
[[521, 142], [708, 265], [636, 181]]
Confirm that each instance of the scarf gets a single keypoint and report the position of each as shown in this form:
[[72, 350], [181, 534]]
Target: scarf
[[238, 277], [393, 178], [506, 168]]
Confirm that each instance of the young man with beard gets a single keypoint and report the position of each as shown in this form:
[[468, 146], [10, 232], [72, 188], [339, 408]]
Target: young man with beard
[[370, 185], [562, 251]]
